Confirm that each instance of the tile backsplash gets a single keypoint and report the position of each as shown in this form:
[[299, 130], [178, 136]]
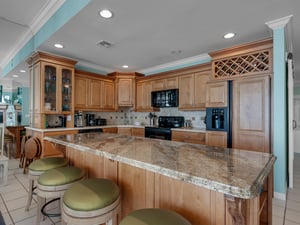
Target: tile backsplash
[[127, 116]]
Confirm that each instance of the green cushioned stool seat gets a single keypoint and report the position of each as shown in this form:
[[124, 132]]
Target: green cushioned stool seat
[[52, 184], [154, 216], [91, 201], [60, 176], [38, 167], [91, 194], [41, 165]]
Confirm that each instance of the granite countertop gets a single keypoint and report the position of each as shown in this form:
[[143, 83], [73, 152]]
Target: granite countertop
[[188, 129], [237, 173]]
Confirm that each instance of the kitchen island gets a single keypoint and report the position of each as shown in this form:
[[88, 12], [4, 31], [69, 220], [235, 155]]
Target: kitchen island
[[207, 185]]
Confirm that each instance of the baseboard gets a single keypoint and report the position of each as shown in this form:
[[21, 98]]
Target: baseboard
[[280, 196]]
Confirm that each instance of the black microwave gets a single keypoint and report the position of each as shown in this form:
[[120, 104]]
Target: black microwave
[[165, 98]]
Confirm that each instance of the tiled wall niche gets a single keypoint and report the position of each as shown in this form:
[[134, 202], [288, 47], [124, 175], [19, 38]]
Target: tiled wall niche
[[127, 116]]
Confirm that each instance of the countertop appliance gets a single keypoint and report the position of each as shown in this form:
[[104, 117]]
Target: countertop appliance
[[163, 131], [220, 118], [90, 120], [164, 98]]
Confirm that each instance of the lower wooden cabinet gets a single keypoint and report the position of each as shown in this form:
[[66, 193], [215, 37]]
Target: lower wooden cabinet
[[138, 132], [124, 130], [216, 139], [110, 130], [188, 136]]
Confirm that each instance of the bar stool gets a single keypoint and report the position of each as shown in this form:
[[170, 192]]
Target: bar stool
[[91, 201], [38, 167], [52, 184], [154, 216]]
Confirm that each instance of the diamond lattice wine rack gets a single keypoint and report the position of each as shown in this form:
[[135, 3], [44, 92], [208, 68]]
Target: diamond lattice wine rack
[[242, 61]]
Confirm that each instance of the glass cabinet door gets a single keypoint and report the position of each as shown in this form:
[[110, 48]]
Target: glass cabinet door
[[50, 78], [66, 90]]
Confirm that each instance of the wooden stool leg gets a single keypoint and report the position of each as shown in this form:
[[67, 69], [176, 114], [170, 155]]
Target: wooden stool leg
[[30, 194]]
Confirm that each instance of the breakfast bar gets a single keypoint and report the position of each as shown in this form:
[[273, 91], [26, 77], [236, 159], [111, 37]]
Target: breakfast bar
[[207, 185]]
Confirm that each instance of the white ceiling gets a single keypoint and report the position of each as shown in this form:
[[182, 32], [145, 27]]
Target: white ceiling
[[144, 33]]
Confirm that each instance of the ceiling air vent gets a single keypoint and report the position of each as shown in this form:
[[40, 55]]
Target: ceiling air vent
[[105, 44]]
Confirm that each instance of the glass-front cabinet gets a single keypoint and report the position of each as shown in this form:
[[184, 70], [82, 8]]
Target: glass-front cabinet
[[58, 84], [52, 88]]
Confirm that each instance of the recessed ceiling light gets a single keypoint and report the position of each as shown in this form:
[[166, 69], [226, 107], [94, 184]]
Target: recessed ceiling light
[[229, 35], [105, 13], [125, 66], [22, 71], [15, 75], [58, 45]]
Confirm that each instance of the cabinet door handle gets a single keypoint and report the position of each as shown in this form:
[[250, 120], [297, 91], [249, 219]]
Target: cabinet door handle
[[294, 124]]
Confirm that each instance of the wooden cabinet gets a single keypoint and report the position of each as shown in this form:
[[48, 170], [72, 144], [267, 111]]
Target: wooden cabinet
[[94, 92], [143, 97], [165, 84], [81, 92], [124, 130], [138, 131], [192, 90], [125, 88], [137, 187], [188, 137], [216, 139], [110, 130], [52, 87], [217, 94], [251, 112]]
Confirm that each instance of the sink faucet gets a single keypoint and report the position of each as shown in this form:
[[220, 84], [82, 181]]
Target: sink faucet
[[152, 118]]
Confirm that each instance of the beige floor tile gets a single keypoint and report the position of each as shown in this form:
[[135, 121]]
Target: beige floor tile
[[7, 219], [292, 215], [287, 222], [32, 220], [277, 220], [20, 214], [14, 195], [278, 211], [16, 204], [294, 205], [279, 203]]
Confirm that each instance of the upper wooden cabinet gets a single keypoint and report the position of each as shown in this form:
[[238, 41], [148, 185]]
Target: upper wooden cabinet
[[52, 86], [143, 96], [125, 88], [192, 90], [94, 92], [165, 84], [217, 94]]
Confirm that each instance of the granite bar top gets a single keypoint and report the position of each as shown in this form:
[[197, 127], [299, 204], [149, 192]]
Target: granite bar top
[[238, 173], [187, 129]]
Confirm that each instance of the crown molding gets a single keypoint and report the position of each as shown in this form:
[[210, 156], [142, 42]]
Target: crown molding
[[279, 23], [89, 67], [195, 60], [284, 22], [38, 21]]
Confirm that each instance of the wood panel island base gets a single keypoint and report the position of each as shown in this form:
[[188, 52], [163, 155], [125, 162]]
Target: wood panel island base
[[206, 185]]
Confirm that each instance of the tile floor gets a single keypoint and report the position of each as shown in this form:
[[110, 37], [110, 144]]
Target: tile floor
[[13, 199]]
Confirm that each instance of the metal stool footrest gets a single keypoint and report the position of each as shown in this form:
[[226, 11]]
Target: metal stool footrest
[[50, 214]]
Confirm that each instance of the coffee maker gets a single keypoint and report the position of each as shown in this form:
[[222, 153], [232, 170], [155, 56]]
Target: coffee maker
[[90, 120], [78, 119]]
